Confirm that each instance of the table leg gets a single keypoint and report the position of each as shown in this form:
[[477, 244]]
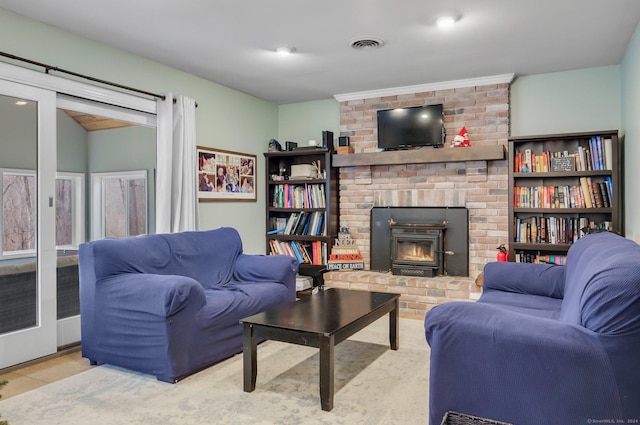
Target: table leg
[[326, 372], [249, 358], [394, 327]]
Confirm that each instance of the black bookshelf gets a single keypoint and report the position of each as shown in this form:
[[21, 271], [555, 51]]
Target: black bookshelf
[[322, 188], [543, 194]]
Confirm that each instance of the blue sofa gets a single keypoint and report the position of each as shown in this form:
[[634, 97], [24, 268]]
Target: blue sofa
[[544, 344], [170, 304]]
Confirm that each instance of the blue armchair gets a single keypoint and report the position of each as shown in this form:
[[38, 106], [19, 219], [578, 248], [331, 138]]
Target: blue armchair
[[170, 304], [544, 344]]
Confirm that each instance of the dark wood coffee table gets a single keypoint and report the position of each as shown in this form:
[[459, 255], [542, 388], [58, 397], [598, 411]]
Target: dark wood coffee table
[[321, 320]]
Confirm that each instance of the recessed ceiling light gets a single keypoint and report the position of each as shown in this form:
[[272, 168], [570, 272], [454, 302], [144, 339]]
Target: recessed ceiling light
[[21, 102], [445, 21], [285, 51]]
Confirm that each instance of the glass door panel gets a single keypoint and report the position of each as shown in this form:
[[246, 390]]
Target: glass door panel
[[102, 144], [27, 255]]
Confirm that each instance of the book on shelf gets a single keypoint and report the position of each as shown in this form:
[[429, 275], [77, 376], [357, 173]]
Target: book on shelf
[[592, 154], [589, 194], [608, 155], [290, 223], [597, 195], [584, 185], [298, 196], [311, 253], [297, 253], [555, 230], [609, 184], [304, 223], [300, 222], [528, 163], [538, 258]]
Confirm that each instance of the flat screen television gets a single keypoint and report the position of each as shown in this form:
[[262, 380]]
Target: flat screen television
[[406, 128]]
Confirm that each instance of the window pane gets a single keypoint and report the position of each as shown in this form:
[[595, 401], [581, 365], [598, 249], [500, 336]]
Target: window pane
[[18, 218], [114, 211], [137, 207], [64, 208]]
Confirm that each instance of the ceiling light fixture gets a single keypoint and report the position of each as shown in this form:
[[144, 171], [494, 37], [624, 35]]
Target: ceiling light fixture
[[445, 21], [285, 51], [21, 102]]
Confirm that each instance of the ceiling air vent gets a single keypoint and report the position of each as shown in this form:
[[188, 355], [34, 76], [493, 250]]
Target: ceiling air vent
[[365, 43]]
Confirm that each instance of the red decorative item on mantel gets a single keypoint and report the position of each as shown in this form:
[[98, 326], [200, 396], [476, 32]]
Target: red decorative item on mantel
[[461, 139]]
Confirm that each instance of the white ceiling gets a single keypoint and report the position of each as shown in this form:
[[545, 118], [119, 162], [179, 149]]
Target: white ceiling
[[232, 42]]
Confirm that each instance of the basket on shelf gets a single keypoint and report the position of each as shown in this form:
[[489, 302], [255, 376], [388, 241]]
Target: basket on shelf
[[455, 418]]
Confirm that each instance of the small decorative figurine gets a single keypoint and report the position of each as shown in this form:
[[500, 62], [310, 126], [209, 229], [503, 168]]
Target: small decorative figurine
[[461, 139]]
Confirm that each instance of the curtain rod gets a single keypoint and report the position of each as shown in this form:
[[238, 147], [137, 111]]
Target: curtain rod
[[86, 77]]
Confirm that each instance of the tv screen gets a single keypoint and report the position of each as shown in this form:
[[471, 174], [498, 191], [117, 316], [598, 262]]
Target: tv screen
[[405, 128]]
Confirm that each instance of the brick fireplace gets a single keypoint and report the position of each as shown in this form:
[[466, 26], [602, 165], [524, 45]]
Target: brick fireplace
[[480, 186]]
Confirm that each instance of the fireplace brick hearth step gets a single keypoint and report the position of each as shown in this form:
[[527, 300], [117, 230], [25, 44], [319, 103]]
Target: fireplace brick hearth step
[[417, 294]]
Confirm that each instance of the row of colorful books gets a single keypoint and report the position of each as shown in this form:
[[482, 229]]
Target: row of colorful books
[[528, 257], [589, 194], [305, 223], [298, 196], [593, 154], [555, 230], [597, 157], [305, 252]]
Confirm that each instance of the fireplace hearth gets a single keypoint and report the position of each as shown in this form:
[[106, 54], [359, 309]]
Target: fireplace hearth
[[417, 249]]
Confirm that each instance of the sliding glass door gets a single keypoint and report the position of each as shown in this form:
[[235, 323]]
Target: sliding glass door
[[53, 146], [27, 224]]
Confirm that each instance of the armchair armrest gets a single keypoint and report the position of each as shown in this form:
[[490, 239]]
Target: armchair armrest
[[494, 363], [266, 268], [149, 294], [525, 278]]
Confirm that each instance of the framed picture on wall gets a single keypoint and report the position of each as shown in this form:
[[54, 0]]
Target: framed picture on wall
[[225, 175]]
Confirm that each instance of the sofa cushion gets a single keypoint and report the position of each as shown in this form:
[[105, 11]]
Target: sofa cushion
[[602, 287], [533, 305], [208, 256]]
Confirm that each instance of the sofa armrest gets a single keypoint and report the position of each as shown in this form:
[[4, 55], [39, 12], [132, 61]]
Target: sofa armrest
[[266, 268], [525, 278], [149, 294], [494, 363]]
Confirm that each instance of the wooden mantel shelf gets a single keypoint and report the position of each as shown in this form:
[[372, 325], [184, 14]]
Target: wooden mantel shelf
[[421, 156]]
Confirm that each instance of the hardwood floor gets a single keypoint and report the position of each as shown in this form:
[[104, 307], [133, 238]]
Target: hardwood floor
[[34, 374]]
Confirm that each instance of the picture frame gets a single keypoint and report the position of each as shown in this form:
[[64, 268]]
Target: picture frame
[[226, 175]]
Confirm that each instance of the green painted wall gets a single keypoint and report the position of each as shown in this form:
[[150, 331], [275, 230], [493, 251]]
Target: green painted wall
[[560, 102], [301, 122], [226, 119], [630, 72], [72, 146]]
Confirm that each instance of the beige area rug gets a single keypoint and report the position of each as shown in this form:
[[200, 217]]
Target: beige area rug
[[373, 385]]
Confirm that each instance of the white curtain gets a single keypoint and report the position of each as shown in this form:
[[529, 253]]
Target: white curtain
[[176, 189]]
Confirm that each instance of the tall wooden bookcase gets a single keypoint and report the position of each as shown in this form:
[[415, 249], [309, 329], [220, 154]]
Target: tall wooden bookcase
[[555, 182], [303, 200]]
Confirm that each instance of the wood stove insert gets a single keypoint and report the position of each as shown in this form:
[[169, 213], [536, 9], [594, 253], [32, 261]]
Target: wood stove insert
[[417, 249]]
